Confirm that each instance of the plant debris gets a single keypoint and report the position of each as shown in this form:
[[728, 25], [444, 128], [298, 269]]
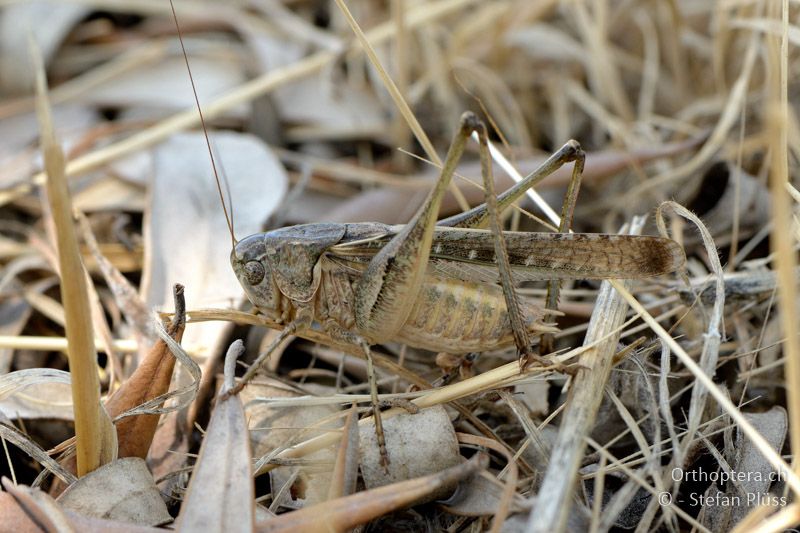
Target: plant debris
[[667, 403]]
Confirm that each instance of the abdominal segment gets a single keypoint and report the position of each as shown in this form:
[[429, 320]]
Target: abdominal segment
[[457, 317]]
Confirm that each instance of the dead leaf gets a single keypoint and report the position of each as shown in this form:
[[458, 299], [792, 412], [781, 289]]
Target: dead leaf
[[344, 513], [20, 21], [276, 427], [150, 379], [220, 496], [122, 490], [177, 246], [418, 445], [163, 85]]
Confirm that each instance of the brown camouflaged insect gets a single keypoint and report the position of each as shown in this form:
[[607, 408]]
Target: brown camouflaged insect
[[442, 286]]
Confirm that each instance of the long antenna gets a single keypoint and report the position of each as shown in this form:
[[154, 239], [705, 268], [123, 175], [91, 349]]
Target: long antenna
[[228, 218]]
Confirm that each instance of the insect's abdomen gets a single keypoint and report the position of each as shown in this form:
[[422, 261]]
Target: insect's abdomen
[[457, 317]]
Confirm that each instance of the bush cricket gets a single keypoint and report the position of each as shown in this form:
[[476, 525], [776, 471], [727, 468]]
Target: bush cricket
[[444, 286]]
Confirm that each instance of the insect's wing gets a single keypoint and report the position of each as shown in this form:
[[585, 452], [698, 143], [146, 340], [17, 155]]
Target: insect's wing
[[468, 254]]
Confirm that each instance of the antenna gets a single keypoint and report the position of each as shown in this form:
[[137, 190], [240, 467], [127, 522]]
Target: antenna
[[228, 218]]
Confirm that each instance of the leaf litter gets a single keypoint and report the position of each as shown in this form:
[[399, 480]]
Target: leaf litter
[[686, 424]]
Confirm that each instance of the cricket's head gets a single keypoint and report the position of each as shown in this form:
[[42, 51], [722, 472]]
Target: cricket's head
[[283, 263], [251, 266]]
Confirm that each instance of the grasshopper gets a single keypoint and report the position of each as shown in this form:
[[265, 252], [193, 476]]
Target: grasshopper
[[444, 287]]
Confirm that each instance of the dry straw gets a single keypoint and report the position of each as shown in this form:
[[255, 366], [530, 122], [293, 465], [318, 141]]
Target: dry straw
[[95, 434]]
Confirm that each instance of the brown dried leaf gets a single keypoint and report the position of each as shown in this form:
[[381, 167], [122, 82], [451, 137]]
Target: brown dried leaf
[[150, 379], [220, 496], [344, 513]]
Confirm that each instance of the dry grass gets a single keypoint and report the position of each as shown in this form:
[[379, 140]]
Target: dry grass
[[695, 373]]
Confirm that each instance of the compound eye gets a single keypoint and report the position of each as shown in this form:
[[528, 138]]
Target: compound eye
[[254, 272]]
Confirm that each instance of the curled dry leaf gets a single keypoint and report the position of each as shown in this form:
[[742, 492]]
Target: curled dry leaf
[[140, 391], [418, 444], [150, 379], [122, 490]]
